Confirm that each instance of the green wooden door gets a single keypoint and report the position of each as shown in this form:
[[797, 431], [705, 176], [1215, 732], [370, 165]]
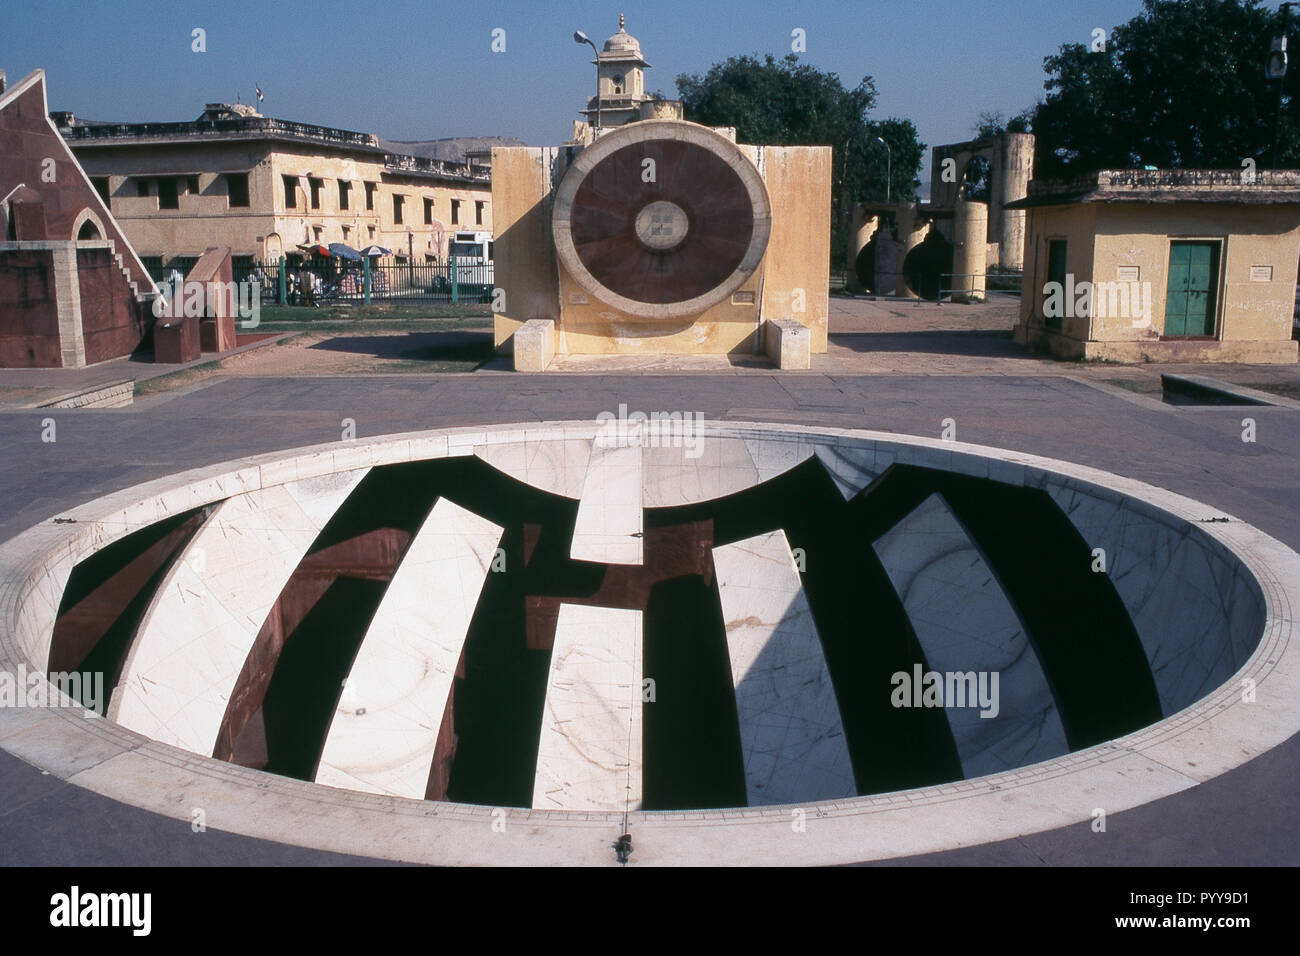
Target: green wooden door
[[1193, 288], [1056, 251]]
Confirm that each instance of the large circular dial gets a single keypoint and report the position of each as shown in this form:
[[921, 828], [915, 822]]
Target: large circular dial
[[661, 218]]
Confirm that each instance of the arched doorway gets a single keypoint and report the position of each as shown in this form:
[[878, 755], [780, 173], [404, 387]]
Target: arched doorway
[[87, 226], [272, 248], [977, 180], [928, 268], [865, 266]]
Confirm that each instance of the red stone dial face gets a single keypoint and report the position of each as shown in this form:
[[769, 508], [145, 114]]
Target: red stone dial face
[[669, 240]]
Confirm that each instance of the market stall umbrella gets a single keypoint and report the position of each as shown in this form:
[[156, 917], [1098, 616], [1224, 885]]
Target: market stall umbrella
[[374, 252], [344, 251], [315, 249]]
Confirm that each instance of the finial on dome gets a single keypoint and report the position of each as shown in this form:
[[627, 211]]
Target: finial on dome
[[620, 19]]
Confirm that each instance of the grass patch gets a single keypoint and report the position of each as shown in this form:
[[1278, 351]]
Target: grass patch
[[1143, 386], [298, 316], [366, 326], [1284, 389], [177, 379]]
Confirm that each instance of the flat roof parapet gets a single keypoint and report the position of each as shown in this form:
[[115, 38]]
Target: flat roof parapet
[[264, 127], [443, 169], [1242, 185], [234, 128]]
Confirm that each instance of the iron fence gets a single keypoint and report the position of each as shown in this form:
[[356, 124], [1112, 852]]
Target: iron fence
[[954, 291], [323, 281]]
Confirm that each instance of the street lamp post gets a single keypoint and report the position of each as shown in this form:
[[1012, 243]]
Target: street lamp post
[[580, 37], [889, 164]]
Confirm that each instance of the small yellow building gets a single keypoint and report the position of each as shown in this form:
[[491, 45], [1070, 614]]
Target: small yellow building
[[1162, 266]]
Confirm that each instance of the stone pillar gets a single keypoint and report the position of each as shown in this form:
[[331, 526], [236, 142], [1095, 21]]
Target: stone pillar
[[889, 263], [67, 291], [861, 229], [661, 109], [911, 233], [1013, 168], [970, 232]]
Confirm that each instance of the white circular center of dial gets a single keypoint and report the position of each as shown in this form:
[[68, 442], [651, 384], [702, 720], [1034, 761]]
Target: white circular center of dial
[[662, 225]]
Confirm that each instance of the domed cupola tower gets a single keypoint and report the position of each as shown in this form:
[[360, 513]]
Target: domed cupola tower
[[622, 80]]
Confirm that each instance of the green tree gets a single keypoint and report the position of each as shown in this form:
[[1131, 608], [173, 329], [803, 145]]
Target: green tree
[[1180, 85], [782, 102], [990, 125]]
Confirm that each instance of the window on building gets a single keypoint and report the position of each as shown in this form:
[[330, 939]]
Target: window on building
[[142, 187], [1056, 249], [290, 191], [345, 194], [237, 189], [167, 195], [192, 185], [370, 232], [618, 84], [316, 186], [428, 212], [346, 231], [478, 211], [397, 209], [101, 186], [316, 233], [455, 212], [370, 195]]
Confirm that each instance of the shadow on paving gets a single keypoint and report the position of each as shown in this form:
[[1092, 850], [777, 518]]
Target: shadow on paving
[[990, 344], [457, 346]]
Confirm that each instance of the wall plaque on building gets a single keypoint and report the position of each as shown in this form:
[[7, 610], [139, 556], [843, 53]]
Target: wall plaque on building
[[1128, 273], [1261, 273]]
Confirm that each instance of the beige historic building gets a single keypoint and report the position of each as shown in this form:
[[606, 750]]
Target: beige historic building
[[1163, 265], [265, 186]]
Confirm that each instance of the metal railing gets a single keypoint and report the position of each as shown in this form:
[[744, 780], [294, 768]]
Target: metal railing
[[370, 281], [947, 286], [321, 281], [1008, 282]]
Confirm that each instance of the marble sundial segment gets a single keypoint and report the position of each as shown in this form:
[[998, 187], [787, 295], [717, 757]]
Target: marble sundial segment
[[1210, 603]]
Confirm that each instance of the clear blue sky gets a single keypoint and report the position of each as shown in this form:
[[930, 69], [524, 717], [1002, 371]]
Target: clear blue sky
[[425, 70]]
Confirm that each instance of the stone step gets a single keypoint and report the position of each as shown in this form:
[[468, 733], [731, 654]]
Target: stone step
[[103, 395]]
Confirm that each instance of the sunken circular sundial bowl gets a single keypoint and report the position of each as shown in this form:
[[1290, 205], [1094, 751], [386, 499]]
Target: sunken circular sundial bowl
[[661, 219], [739, 643]]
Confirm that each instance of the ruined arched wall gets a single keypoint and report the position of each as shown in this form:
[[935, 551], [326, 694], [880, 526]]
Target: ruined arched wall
[[1011, 158]]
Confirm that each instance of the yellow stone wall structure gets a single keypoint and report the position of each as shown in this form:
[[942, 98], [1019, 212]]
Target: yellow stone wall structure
[[523, 182], [791, 281], [796, 281]]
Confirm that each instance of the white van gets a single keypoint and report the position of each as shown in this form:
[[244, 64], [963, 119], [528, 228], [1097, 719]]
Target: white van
[[472, 253]]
